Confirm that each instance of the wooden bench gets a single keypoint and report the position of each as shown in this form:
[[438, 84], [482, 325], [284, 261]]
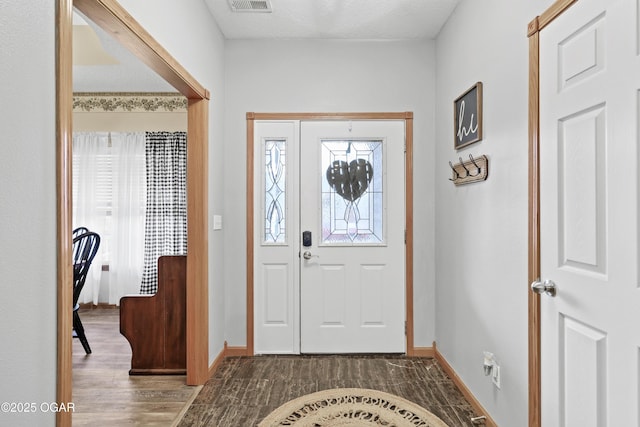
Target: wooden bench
[[155, 325]]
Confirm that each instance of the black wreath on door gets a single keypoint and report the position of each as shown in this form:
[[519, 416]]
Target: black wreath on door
[[350, 180]]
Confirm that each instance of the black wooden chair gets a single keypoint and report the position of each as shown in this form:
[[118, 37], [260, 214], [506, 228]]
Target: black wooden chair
[[78, 231], [76, 248], [85, 247]]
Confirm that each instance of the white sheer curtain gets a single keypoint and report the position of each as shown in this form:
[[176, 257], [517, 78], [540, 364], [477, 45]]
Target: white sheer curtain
[[128, 215], [90, 151], [109, 198]]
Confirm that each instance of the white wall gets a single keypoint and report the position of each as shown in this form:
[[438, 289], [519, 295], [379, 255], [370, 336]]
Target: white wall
[[481, 285], [329, 76], [97, 121], [189, 33], [27, 208], [481, 229]]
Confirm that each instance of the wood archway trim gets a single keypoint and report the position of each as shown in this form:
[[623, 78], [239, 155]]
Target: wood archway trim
[[533, 32], [115, 20], [408, 120]]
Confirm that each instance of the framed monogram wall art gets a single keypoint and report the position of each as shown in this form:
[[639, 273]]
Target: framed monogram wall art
[[467, 117]]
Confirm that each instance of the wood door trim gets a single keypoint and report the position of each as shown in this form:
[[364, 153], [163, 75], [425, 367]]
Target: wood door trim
[[329, 116], [534, 235], [64, 131], [114, 19], [250, 230], [554, 11], [197, 241], [408, 184], [534, 332], [407, 116]]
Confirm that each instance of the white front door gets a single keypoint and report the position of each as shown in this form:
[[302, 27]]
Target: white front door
[[343, 183], [352, 207], [589, 99]]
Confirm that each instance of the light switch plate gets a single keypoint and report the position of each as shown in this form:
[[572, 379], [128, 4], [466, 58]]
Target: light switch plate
[[217, 222]]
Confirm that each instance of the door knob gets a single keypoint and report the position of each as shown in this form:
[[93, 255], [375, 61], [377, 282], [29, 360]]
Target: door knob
[[546, 287], [307, 255]]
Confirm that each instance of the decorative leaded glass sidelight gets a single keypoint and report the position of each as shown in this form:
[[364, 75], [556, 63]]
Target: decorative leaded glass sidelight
[[275, 202], [352, 193]]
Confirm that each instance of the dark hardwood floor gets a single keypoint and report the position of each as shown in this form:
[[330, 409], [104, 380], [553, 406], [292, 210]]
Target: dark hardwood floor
[[103, 392], [244, 389]]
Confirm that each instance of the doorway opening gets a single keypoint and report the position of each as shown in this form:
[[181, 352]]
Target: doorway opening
[[115, 20]]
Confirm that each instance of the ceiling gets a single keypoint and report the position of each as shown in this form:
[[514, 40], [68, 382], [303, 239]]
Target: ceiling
[[101, 64], [116, 70], [335, 19]]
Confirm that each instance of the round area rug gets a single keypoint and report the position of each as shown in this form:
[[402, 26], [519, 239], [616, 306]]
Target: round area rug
[[351, 407]]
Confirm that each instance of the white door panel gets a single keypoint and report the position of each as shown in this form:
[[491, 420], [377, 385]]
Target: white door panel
[[589, 81], [352, 201], [276, 326]]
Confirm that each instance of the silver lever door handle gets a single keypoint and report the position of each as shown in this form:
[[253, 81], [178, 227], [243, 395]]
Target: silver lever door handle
[[546, 287]]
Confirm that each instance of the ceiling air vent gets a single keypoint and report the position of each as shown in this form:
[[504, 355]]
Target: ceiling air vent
[[250, 5]]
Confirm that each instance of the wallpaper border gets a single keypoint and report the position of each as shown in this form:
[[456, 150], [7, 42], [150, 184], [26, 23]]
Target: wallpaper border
[[129, 102]]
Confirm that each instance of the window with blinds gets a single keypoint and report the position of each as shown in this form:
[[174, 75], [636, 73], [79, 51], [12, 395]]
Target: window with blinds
[[103, 186]]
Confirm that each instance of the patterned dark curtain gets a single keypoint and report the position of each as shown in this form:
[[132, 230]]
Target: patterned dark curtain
[[166, 218]]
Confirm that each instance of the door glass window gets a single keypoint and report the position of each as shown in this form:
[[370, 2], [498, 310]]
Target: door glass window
[[274, 178], [352, 174]]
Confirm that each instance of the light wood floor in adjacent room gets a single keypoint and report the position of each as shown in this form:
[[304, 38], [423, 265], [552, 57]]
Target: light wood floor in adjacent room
[[103, 392]]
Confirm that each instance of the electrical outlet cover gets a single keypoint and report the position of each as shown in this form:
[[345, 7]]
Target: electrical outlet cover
[[495, 376]]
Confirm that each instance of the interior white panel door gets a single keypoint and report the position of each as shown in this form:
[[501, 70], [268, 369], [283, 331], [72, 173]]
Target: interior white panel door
[[276, 263], [352, 202], [589, 86]]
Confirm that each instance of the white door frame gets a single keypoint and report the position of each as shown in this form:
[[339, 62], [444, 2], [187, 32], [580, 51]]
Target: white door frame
[[533, 33], [408, 119]]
